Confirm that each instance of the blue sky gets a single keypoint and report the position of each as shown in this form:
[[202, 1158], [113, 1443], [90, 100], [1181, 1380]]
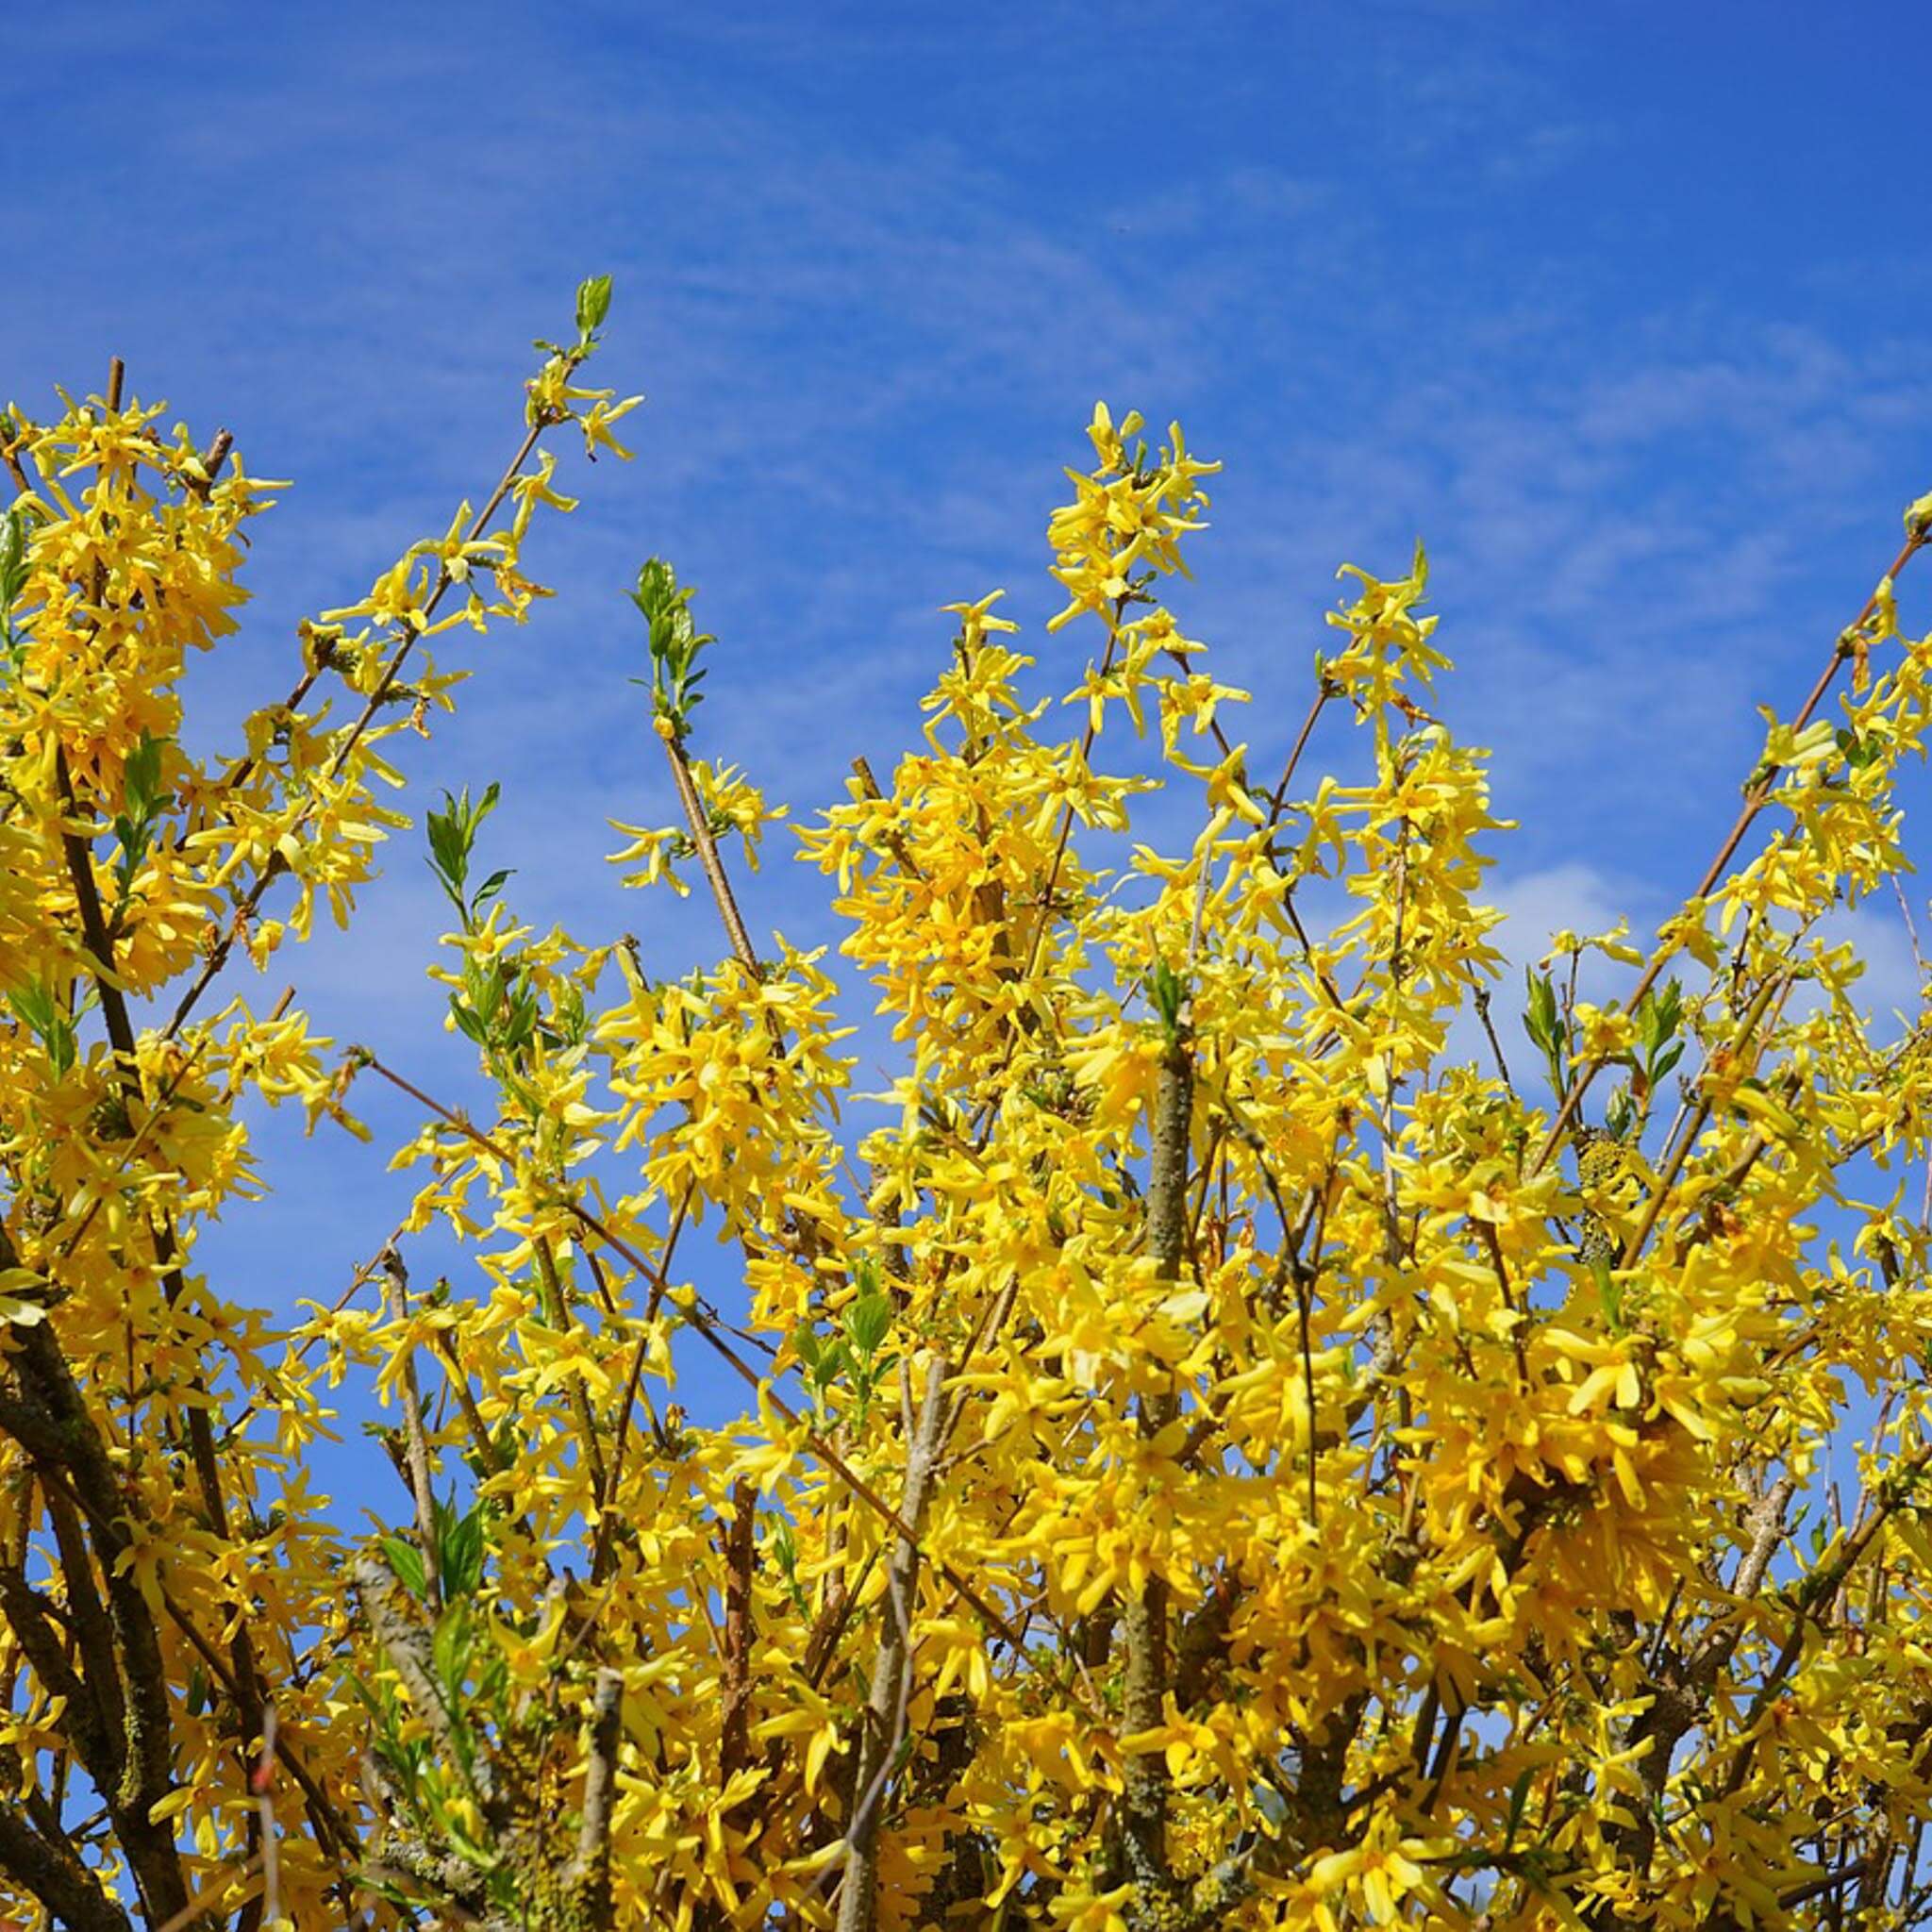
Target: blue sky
[[1619, 308]]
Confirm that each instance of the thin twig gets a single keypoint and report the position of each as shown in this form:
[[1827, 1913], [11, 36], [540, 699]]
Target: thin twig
[[217, 956], [416, 1440], [1754, 800]]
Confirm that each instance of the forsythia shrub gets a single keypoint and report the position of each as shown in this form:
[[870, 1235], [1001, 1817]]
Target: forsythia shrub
[[1217, 1454]]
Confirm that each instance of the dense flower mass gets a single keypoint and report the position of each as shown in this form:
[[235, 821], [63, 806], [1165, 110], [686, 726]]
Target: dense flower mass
[[1227, 1442]]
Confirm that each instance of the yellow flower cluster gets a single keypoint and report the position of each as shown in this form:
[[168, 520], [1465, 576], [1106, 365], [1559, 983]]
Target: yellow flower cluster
[[156, 1502], [1227, 1439]]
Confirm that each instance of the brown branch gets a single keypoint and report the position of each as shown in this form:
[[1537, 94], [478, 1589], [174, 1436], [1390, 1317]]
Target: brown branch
[[1146, 1785], [77, 847], [606, 1519], [40, 1632], [416, 1438], [457, 1382], [92, 1628], [332, 1831], [211, 464], [741, 1556], [894, 841], [557, 1307], [1681, 1692], [1278, 802], [52, 1871], [1688, 1139], [406, 1645], [695, 818], [1482, 1008], [588, 1872], [47, 1416], [883, 1721]]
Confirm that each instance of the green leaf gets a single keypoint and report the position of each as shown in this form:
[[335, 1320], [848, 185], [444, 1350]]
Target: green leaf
[[1609, 1293], [466, 1017], [142, 775], [784, 1548], [452, 834], [134, 829], [868, 1319], [14, 563], [405, 1561], [593, 303], [1660, 1016], [460, 1551], [39, 1009], [1519, 1797], [450, 1649], [1541, 1021], [674, 643], [1167, 992]]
